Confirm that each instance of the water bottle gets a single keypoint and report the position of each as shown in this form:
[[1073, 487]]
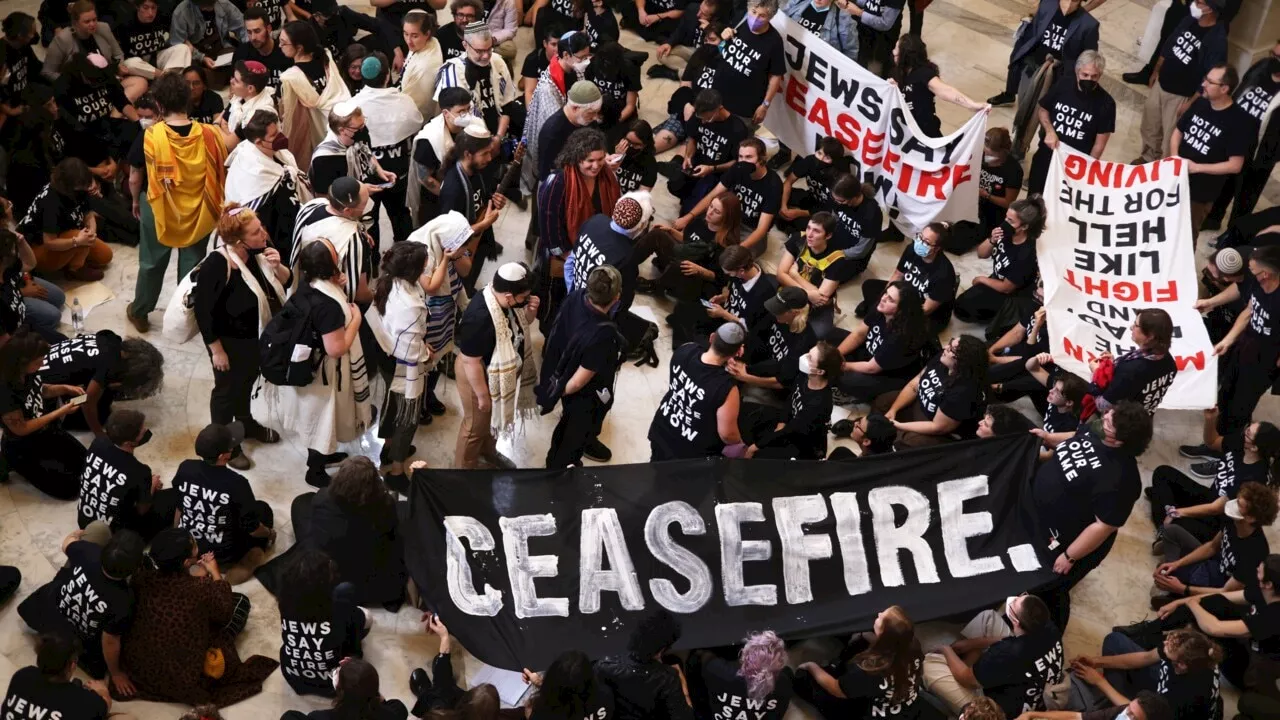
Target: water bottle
[[77, 316]]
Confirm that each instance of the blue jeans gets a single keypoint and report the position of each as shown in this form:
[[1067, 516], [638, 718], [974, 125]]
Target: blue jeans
[[45, 315], [1128, 682]]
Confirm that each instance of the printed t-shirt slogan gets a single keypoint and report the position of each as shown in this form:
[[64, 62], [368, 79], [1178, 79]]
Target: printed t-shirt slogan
[[1118, 240], [522, 564], [824, 93]]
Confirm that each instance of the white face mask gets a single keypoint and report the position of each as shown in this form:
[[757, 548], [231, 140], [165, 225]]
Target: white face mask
[[146, 122], [990, 159], [1232, 510], [1196, 12], [463, 120], [581, 66], [1008, 607], [1124, 715], [805, 366]]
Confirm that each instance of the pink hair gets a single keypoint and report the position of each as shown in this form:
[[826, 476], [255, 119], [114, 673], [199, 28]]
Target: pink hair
[[762, 657]]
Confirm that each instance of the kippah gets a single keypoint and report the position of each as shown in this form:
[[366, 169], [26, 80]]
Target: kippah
[[584, 92], [255, 67], [513, 272], [345, 108], [627, 213], [478, 130], [370, 68], [731, 333], [1229, 261]]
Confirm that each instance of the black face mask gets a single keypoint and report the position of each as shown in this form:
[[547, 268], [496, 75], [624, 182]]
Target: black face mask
[[256, 251], [1009, 232], [146, 438], [362, 136], [744, 167], [520, 303], [1088, 85]]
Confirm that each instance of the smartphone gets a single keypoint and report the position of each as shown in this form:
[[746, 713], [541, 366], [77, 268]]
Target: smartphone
[[615, 159], [386, 185], [707, 304], [78, 400]]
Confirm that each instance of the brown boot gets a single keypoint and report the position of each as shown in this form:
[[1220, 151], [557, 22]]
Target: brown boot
[[139, 322]]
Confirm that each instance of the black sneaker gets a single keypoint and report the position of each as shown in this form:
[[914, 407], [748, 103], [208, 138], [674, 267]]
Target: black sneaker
[[1004, 98], [1199, 452], [434, 406], [672, 167], [399, 482], [1146, 633], [1137, 78], [317, 478], [1211, 223], [596, 450], [1207, 470], [780, 158], [662, 72]]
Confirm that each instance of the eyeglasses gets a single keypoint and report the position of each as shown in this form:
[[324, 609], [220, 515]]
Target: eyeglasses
[[1214, 82]]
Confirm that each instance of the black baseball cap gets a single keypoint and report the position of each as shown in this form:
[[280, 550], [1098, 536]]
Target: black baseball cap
[[788, 298], [345, 192], [216, 439]]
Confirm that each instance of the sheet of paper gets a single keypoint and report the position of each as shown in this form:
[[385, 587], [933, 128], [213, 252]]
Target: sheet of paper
[[91, 295], [224, 60], [510, 685]]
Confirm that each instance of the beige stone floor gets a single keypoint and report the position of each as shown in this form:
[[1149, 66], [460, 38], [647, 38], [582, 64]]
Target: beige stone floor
[[969, 39]]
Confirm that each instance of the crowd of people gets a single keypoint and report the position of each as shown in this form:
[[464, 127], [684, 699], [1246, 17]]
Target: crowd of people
[[265, 142]]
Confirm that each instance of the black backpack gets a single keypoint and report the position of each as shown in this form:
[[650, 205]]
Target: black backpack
[[549, 392], [289, 329]]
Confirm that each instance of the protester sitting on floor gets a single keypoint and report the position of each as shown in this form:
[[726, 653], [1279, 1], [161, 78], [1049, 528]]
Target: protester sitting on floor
[[218, 505], [108, 368], [759, 679], [770, 362], [814, 263], [1012, 249], [1227, 561], [1064, 401], [568, 688], [1146, 705], [181, 618], [884, 352], [881, 681], [104, 571], [1252, 455], [947, 400], [828, 163], [1183, 669], [858, 219], [117, 488], [61, 229], [759, 189], [798, 430], [48, 685], [25, 299], [926, 268], [358, 696], [874, 434], [35, 445], [644, 685], [1010, 657], [1003, 420], [694, 273], [439, 691], [320, 623], [1008, 355], [1145, 373]]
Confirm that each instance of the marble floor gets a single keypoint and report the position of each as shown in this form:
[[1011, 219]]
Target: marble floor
[[969, 39]]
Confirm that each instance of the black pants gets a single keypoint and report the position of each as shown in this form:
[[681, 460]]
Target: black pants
[[10, 579], [965, 236], [861, 387], [655, 33], [1170, 487], [1244, 189], [233, 388], [260, 513], [51, 460], [1014, 379], [1040, 162], [581, 417], [116, 222], [1235, 652], [1244, 376], [393, 201], [979, 304], [877, 46], [1057, 594]]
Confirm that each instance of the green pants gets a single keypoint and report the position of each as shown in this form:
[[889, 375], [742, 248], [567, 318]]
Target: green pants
[[153, 260]]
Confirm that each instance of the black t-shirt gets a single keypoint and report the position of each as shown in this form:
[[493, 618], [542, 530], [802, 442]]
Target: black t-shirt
[[1055, 35], [1263, 622], [1213, 136], [614, 90], [599, 244], [808, 416], [812, 18], [934, 280], [749, 61], [1233, 471], [888, 348], [276, 61], [758, 197], [1239, 557], [112, 485], [858, 227], [997, 179], [326, 315], [1188, 54], [602, 350], [551, 139], [13, 307], [819, 176], [747, 303], [1057, 421], [32, 695], [1141, 378], [91, 105], [817, 267], [1083, 481], [450, 37], [82, 359], [1255, 98], [210, 38], [143, 40], [468, 195], [1015, 263], [534, 63], [27, 397], [476, 336], [685, 425], [727, 693], [773, 350], [314, 71], [1014, 671], [215, 507], [701, 70], [83, 598], [310, 650], [873, 695], [23, 66], [716, 142], [602, 27], [962, 400], [1079, 117], [1264, 320], [208, 108], [425, 155], [638, 170], [921, 102], [52, 213], [1193, 695]]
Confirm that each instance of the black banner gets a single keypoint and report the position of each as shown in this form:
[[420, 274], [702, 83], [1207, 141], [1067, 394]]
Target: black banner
[[523, 565]]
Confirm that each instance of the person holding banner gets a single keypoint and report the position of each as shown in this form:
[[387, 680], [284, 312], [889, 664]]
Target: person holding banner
[[1076, 111], [698, 415], [917, 77], [947, 400], [1252, 348], [1012, 249], [1215, 134], [881, 681], [998, 187], [1145, 373], [1083, 494]]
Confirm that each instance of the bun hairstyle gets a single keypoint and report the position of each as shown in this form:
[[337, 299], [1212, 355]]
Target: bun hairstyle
[[604, 283], [234, 223]]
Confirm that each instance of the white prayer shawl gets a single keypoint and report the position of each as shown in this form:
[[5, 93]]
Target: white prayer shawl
[[454, 74], [304, 113], [441, 140], [315, 223], [391, 115], [252, 176], [264, 304], [443, 234], [334, 408], [241, 110], [405, 323], [511, 377], [418, 78]]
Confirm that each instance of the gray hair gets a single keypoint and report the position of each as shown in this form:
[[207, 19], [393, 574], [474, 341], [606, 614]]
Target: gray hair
[[476, 31], [1091, 58], [769, 6]]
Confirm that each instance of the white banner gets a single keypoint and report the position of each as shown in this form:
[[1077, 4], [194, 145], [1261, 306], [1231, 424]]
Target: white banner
[[826, 94], [1118, 240]]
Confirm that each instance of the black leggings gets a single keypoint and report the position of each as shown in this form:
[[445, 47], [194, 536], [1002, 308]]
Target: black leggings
[[50, 459], [1170, 487], [980, 304]]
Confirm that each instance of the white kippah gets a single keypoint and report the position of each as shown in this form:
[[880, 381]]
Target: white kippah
[[478, 130], [513, 272], [345, 108]]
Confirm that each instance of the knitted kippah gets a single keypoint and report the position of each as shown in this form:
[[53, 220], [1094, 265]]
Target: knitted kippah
[[370, 68], [1229, 261], [584, 92]]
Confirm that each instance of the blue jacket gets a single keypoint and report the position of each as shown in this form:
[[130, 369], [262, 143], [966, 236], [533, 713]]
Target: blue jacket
[[1082, 34], [840, 30], [188, 24]]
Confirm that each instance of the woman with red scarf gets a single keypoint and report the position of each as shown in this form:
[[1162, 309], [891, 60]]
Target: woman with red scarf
[[581, 185]]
